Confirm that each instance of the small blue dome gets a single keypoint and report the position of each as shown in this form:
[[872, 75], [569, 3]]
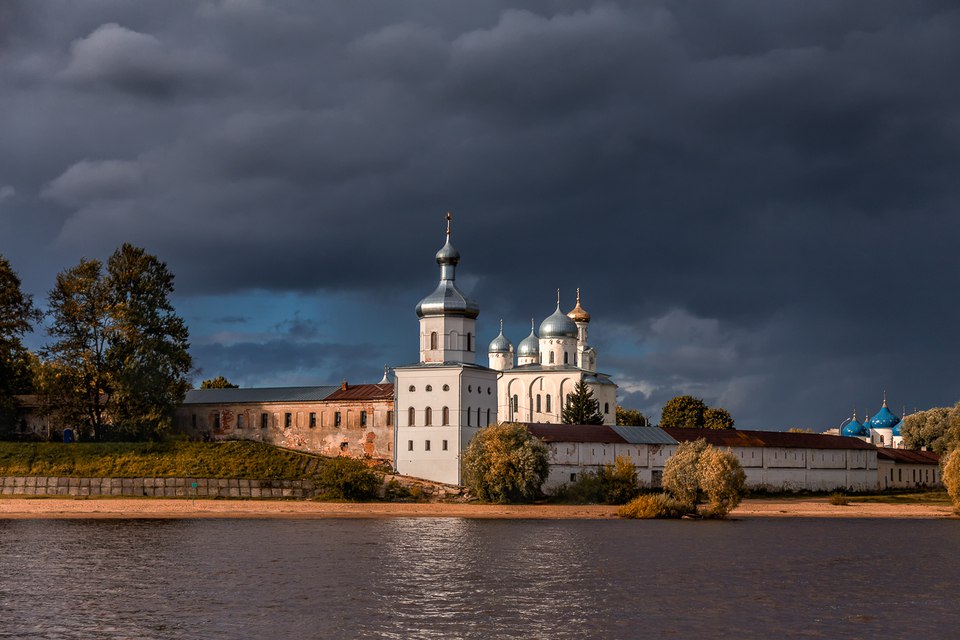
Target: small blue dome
[[529, 346], [854, 429], [896, 429], [885, 419], [558, 325]]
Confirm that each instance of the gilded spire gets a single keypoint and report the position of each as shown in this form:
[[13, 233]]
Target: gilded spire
[[884, 397], [578, 313], [449, 219]]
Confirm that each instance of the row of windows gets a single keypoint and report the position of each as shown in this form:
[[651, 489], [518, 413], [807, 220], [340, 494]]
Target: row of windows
[[288, 420], [435, 341], [426, 445], [444, 417], [446, 387], [566, 357], [516, 404]]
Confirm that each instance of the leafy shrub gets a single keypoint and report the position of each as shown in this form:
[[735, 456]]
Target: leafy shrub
[[505, 463], [951, 476], [348, 479], [611, 484], [653, 505], [697, 471], [839, 498]]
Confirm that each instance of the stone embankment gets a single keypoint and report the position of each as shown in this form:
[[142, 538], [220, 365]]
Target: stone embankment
[[156, 487]]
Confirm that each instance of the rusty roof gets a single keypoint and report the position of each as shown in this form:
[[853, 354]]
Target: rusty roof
[[258, 395], [363, 392], [598, 433], [784, 439], [906, 456]]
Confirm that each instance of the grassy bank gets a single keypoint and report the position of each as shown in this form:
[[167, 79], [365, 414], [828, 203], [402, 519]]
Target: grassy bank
[[155, 460]]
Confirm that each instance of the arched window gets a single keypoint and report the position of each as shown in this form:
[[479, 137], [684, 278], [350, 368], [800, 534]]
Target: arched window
[[469, 342], [548, 403], [428, 416], [538, 403], [606, 407], [433, 340], [551, 357], [478, 417], [566, 358], [488, 416], [516, 403], [445, 416], [468, 417], [411, 416]]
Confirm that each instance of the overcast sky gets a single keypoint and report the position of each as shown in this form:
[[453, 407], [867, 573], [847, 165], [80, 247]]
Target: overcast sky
[[760, 199]]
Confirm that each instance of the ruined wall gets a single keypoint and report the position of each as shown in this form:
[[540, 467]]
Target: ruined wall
[[156, 487], [364, 427]]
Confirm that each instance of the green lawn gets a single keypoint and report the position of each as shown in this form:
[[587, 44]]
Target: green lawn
[[153, 460]]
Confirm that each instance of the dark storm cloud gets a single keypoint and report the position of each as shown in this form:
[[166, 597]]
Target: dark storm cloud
[[755, 196]]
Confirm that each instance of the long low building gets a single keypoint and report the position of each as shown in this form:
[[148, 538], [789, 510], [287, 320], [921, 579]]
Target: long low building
[[353, 420], [905, 469], [784, 461], [576, 448]]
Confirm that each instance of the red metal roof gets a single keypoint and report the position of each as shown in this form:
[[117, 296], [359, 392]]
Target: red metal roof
[[784, 439], [574, 432], [363, 392], [908, 457]]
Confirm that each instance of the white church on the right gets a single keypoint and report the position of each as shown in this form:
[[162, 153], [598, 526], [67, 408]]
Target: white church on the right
[[538, 378]]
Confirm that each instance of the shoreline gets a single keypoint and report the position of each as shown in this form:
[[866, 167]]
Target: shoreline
[[27, 508]]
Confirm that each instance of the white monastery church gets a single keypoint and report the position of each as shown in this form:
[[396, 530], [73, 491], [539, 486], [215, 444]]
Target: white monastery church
[[446, 397]]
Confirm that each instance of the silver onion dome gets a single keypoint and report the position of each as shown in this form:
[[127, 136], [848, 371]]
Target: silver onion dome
[[558, 325], [447, 299], [500, 344], [529, 346]]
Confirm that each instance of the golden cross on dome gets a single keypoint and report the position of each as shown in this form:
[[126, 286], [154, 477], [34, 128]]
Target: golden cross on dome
[[449, 218]]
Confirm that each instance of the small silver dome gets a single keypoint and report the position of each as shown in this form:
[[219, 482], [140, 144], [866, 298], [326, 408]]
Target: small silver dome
[[529, 346], [558, 325], [447, 300], [500, 344]]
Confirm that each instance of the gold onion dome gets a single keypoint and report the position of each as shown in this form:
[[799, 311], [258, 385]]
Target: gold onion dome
[[578, 313]]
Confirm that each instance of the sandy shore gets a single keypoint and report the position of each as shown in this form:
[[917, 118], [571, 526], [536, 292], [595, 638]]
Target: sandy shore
[[41, 508]]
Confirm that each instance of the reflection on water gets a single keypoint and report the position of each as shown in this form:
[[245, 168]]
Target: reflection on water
[[451, 578]]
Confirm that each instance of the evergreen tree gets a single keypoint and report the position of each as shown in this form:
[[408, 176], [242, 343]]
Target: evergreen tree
[[582, 407]]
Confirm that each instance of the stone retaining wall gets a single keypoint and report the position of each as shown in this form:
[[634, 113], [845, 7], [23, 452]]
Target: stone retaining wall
[[156, 487]]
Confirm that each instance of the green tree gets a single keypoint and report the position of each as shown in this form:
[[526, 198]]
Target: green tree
[[218, 383], [951, 476], [118, 360], [693, 413], [698, 471], [17, 315], [582, 407], [683, 411], [76, 383], [717, 419], [505, 463], [937, 428], [631, 418]]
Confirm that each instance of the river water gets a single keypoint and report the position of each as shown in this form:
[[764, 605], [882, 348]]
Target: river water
[[455, 578]]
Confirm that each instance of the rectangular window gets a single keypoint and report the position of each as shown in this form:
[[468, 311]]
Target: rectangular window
[[287, 420], [336, 419], [240, 421], [573, 477], [409, 445], [313, 419], [363, 418], [193, 420], [389, 418], [264, 420], [444, 445], [216, 420], [426, 445]]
